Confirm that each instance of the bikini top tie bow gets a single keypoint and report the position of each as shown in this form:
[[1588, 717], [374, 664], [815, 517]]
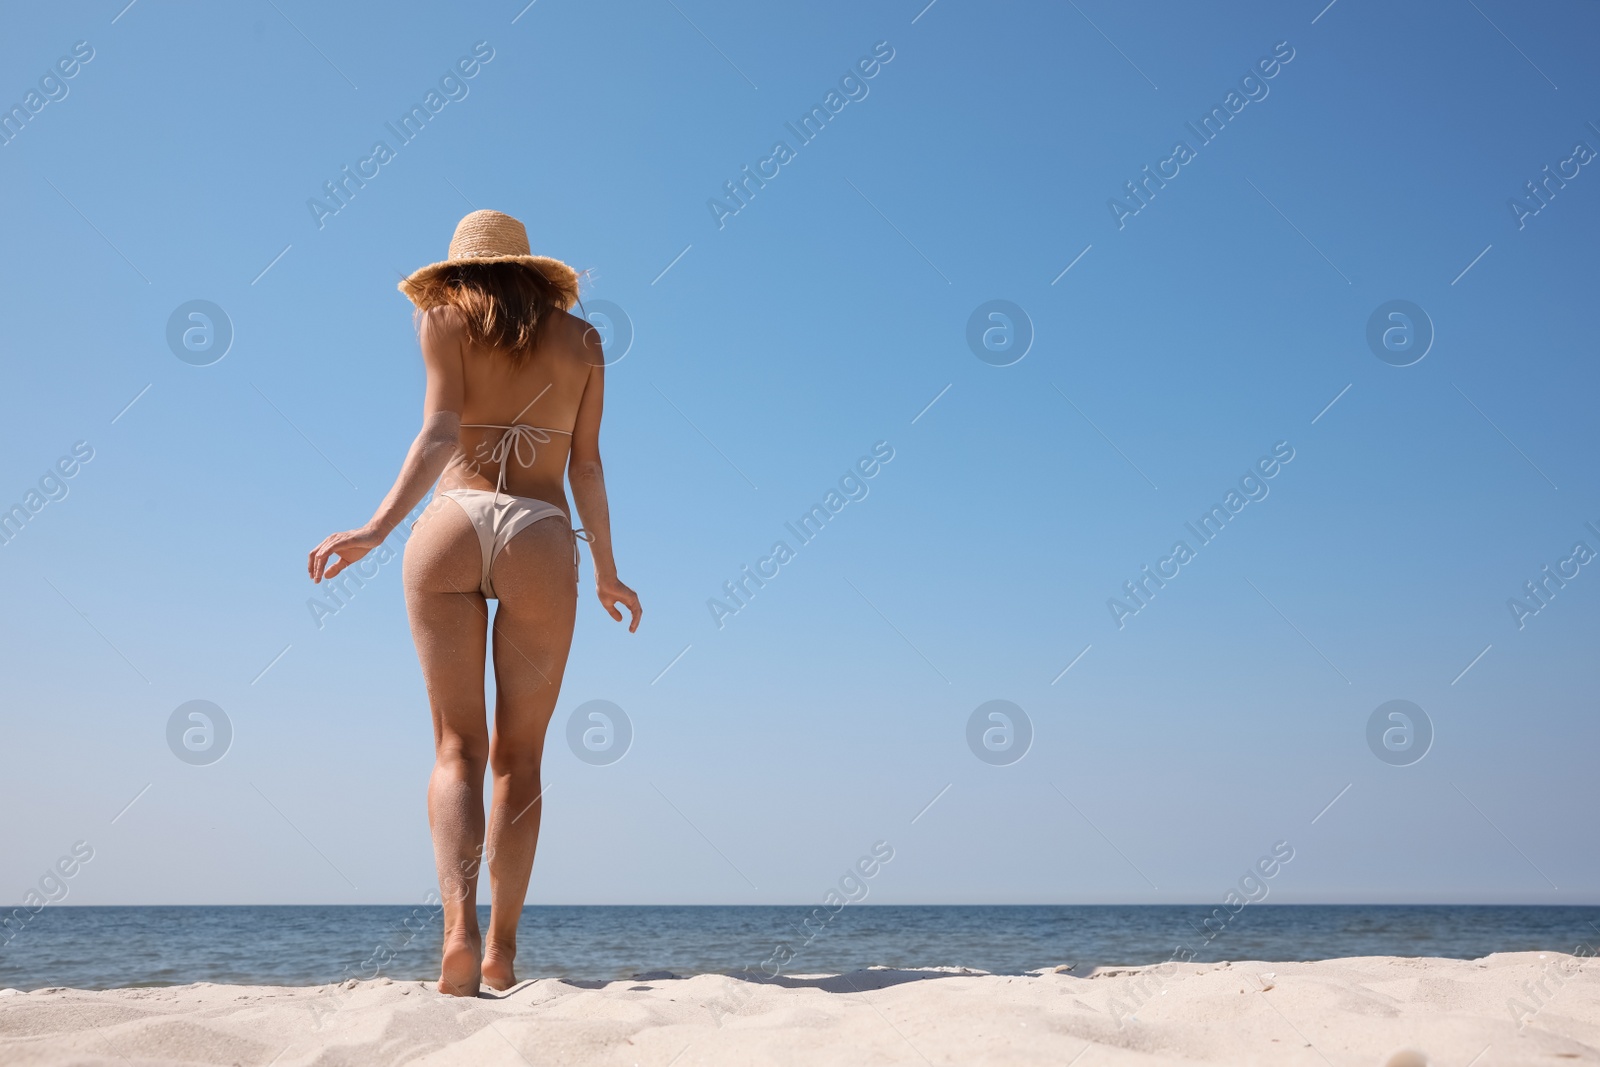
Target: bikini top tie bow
[[518, 440]]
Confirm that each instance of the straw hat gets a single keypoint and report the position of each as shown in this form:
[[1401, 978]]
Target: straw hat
[[491, 237]]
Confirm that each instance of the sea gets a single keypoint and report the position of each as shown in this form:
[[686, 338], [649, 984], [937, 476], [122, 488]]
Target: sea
[[111, 947]]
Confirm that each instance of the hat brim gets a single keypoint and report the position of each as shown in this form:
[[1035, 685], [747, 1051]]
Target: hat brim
[[562, 277]]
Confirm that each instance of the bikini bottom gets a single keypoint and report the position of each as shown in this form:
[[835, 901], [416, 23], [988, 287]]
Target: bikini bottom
[[498, 517]]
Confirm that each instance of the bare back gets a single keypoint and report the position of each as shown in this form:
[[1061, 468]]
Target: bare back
[[546, 391]]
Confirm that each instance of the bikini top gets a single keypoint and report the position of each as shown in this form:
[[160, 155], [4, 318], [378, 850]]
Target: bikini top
[[519, 440]]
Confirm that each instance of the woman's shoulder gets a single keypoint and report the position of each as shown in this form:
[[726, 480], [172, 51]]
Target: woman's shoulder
[[574, 335], [441, 320], [563, 323]]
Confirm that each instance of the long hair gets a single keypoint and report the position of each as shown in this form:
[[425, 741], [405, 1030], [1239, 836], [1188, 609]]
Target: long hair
[[503, 303]]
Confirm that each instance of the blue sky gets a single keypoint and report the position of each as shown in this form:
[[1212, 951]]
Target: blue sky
[[978, 163]]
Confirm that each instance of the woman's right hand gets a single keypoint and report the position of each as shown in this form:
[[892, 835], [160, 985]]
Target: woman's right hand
[[612, 592], [349, 546]]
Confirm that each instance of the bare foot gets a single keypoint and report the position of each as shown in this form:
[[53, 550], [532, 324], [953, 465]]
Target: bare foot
[[497, 967], [459, 974]]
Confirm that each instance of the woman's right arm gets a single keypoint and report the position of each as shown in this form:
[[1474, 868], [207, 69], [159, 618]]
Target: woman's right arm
[[441, 336], [588, 480]]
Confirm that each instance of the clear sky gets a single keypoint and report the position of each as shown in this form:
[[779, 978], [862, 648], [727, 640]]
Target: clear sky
[[1202, 324]]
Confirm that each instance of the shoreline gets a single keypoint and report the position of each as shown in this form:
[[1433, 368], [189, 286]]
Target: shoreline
[[1506, 1008], [304, 945]]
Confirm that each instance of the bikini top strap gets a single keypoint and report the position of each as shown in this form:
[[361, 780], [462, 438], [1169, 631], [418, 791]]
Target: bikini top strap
[[519, 439]]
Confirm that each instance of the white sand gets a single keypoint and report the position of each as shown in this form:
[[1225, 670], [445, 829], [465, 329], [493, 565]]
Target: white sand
[[1365, 1011]]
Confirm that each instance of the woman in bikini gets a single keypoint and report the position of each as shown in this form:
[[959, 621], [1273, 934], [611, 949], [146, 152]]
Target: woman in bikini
[[514, 393]]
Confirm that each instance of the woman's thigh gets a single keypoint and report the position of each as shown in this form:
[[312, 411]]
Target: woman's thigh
[[536, 582], [449, 619]]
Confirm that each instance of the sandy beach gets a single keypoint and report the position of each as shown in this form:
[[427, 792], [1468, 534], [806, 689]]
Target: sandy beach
[[1366, 1011]]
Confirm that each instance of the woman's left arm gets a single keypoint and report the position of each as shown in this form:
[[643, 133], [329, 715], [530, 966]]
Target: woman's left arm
[[442, 334]]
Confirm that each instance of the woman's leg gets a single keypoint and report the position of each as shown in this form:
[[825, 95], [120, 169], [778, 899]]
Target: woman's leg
[[449, 623], [534, 579]]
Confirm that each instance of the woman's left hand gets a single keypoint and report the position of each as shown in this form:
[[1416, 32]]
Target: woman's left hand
[[349, 546], [613, 592]]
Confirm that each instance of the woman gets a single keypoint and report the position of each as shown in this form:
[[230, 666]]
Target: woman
[[515, 387]]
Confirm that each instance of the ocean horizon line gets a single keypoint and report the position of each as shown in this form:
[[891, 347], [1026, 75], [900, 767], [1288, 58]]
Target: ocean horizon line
[[879, 904]]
